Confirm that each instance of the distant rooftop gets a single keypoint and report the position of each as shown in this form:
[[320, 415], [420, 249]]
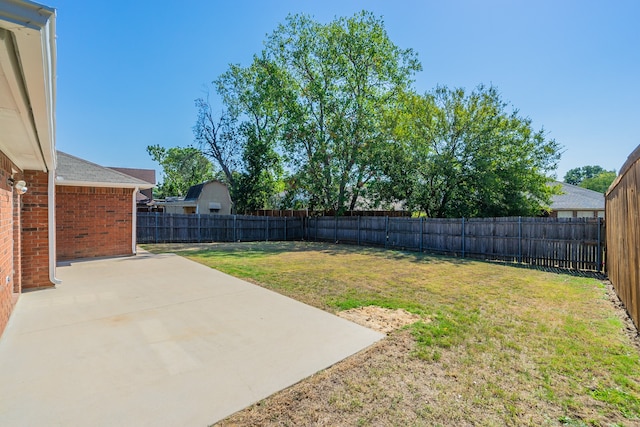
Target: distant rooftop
[[148, 175], [576, 198]]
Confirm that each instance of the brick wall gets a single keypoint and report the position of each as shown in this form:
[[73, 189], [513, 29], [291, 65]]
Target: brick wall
[[35, 231], [9, 254], [93, 222]]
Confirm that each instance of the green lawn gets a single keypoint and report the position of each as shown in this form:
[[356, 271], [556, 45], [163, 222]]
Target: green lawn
[[498, 345]]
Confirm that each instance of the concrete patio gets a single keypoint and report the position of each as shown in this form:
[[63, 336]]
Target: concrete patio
[[158, 340]]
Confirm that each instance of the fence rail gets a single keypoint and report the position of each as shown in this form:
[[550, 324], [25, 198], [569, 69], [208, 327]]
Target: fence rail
[[568, 243]]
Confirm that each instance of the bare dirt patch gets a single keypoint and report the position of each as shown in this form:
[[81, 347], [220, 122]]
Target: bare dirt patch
[[381, 319]]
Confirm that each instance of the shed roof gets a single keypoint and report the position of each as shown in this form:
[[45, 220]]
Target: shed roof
[[194, 192], [576, 198], [73, 170]]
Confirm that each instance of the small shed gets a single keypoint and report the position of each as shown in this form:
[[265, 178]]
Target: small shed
[[208, 198]]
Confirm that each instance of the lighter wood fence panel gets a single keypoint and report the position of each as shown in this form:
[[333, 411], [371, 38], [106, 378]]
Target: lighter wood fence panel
[[623, 237]]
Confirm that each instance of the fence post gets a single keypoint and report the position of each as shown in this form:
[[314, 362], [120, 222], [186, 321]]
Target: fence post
[[171, 228], [359, 230], [156, 230], [335, 229], [599, 255], [421, 233], [520, 239], [199, 233], [267, 233], [234, 228], [386, 231], [463, 237], [285, 228]]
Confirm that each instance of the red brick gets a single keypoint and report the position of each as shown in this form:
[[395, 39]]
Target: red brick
[[93, 222]]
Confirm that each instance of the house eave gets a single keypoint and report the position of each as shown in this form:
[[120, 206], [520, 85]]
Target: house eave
[[28, 90], [140, 186]]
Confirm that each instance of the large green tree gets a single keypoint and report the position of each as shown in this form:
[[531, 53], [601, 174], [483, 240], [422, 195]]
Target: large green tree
[[336, 79], [576, 175], [182, 167], [600, 182], [457, 154], [216, 135], [253, 96], [242, 139]]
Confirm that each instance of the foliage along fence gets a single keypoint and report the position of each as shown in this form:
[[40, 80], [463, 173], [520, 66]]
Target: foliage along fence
[[622, 210], [571, 243]]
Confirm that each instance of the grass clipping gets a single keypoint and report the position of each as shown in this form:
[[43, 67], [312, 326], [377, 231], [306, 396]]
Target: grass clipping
[[380, 319]]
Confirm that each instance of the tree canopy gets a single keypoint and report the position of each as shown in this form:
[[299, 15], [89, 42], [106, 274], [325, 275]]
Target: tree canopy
[[466, 154], [325, 117], [181, 168], [576, 175], [594, 178], [336, 79]]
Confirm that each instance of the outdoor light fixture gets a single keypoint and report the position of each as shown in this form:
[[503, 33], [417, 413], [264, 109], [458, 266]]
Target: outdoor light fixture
[[20, 186]]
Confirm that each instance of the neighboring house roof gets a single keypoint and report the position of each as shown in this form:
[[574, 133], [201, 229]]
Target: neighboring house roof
[[576, 198], [148, 175], [28, 84], [78, 172]]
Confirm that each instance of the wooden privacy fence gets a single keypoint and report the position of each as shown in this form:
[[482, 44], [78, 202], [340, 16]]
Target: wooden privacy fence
[[622, 208], [569, 243], [183, 228]]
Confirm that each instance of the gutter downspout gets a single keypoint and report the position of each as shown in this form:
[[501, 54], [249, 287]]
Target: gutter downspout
[[134, 222], [52, 227]]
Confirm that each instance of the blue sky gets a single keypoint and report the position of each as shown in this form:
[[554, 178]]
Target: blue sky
[[129, 71]]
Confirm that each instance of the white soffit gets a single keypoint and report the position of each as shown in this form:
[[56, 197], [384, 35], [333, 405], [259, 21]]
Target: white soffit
[[27, 84]]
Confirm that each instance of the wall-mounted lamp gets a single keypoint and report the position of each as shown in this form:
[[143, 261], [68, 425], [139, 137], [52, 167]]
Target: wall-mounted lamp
[[20, 186]]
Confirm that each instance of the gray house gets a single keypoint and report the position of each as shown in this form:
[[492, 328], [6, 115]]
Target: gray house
[[577, 202]]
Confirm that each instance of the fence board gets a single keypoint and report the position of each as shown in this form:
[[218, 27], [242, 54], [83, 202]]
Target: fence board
[[622, 209], [572, 243], [154, 227]]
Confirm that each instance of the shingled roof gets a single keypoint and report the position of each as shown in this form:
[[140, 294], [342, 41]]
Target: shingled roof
[[148, 175], [75, 171], [194, 192], [576, 198]]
